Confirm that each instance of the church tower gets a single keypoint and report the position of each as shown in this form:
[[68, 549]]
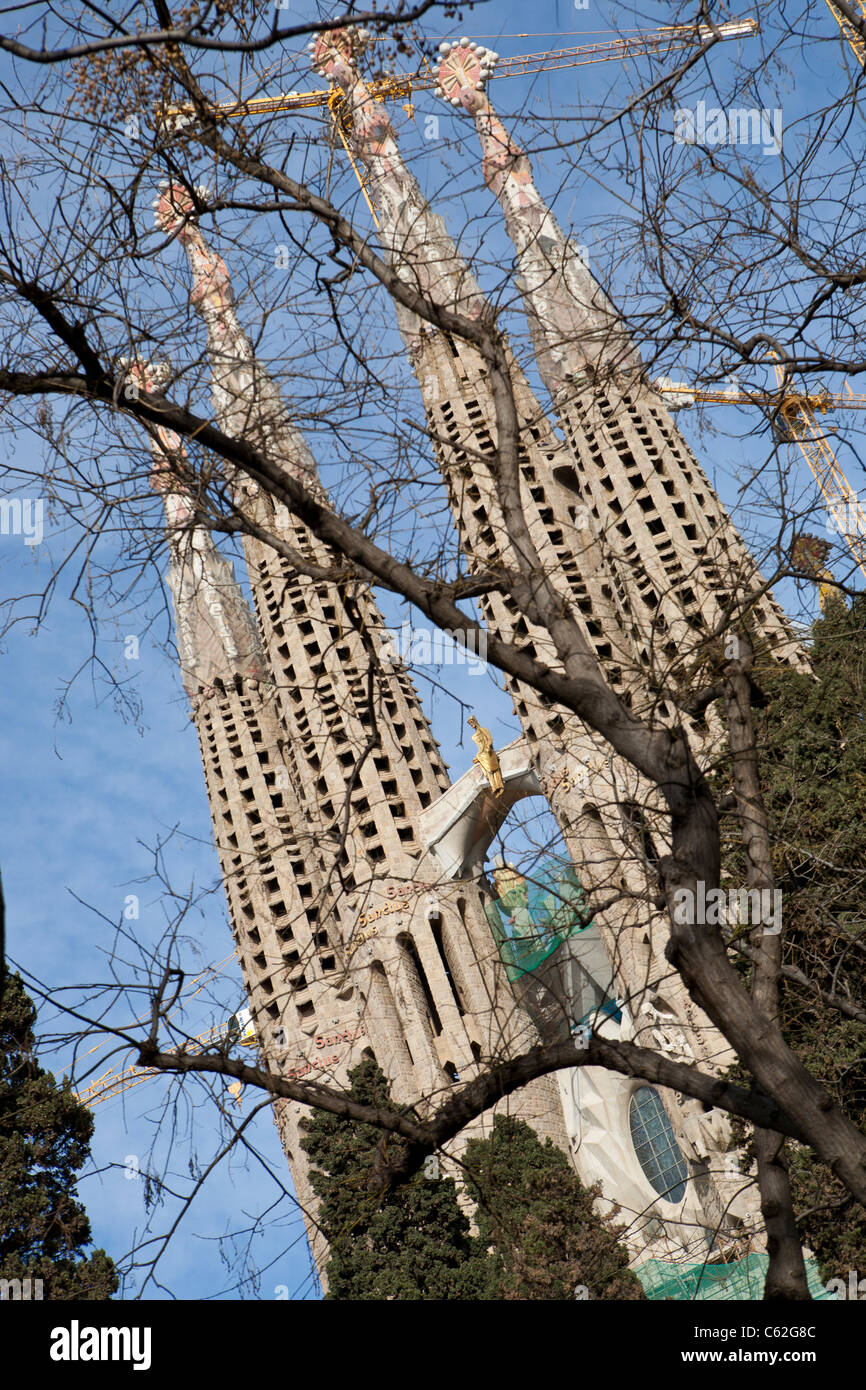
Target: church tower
[[273, 891], [654, 506], [398, 960], [611, 820]]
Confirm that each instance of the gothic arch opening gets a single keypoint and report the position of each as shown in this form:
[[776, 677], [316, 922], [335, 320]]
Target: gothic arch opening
[[383, 1020], [509, 843]]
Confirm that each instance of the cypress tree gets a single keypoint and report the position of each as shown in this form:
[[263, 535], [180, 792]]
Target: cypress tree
[[44, 1142], [538, 1221], [410, 1242]]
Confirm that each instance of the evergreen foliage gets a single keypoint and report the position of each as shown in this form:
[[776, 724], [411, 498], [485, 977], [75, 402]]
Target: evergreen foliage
[[538, 1221], [538, 1235], [44, 1142], [812, 747], [412, 1242]]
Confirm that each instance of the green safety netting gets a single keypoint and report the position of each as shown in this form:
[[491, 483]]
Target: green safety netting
[[535, 913], [743, 1280]]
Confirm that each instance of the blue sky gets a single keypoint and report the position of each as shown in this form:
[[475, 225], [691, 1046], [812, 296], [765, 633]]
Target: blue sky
[[89, 793]]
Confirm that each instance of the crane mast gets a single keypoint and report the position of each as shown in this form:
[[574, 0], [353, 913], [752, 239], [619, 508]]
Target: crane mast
[[849, 30], [799, 417]]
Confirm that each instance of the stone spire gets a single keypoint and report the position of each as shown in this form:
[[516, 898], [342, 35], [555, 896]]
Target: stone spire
[[435, 1002], [274, 893], [571, 317], [604, 810], [217, 637], [414, 238], [246, 401], [649, 495]]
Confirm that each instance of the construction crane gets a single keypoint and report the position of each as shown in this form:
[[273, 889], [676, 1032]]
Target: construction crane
[[669, 39], [851, 33], [112, 1082], [239, 1028], [797, 413], [810, 553]]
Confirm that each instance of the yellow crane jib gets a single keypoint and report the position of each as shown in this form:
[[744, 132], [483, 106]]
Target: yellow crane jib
[[394, 87]]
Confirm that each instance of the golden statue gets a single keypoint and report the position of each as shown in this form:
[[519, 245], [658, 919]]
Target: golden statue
[[486, 757]]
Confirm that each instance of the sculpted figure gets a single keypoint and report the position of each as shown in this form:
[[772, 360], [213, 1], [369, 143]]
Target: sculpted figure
[[486, 756]]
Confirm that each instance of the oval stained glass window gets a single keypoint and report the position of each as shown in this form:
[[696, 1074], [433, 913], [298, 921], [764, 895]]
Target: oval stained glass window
[[655, 1144]]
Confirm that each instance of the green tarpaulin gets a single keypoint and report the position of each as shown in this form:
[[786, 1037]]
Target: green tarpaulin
[[535, 913], [743, 1280]]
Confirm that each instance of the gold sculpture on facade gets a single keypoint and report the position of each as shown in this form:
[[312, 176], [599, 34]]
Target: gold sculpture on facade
[[486, 757]]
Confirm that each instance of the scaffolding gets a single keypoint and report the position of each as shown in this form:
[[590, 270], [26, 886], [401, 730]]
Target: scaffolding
[[694, 1283]]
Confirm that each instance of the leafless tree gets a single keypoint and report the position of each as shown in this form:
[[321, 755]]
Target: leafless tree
[[729, 259]]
